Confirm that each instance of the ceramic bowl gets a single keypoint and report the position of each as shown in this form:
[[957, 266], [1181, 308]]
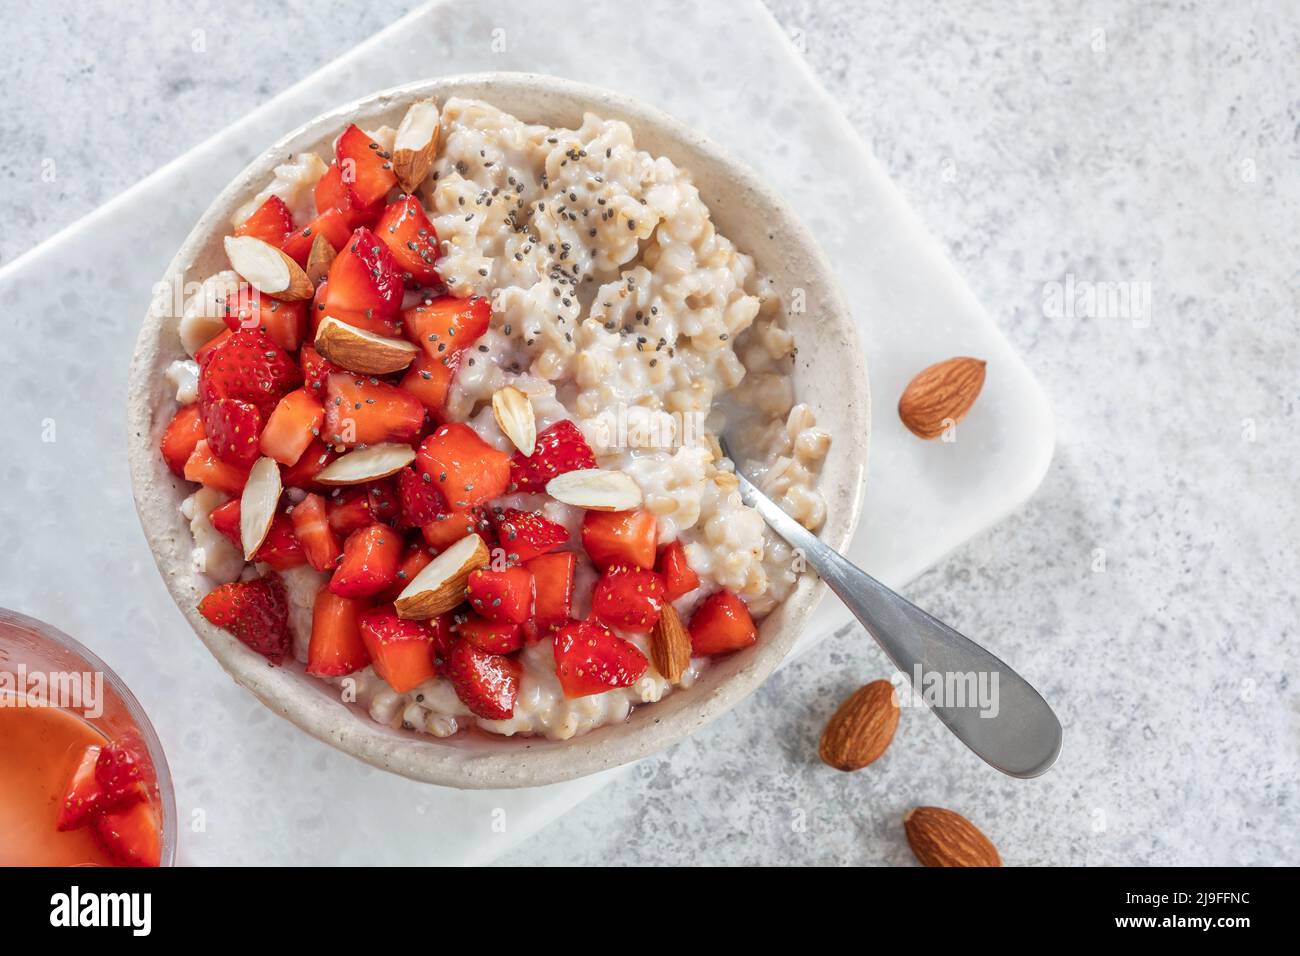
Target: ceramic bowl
[[830, 376]]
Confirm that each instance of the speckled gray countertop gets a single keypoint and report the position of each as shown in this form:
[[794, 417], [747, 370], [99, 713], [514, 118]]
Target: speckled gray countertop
[[1152, 149]]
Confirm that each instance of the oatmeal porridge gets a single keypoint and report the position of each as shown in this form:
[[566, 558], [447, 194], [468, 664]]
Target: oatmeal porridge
[[452, 416]]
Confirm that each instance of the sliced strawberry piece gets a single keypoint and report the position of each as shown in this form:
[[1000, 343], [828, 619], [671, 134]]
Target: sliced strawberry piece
[[421, 501], [495, 637], [386, 324], [182, 433], [85, 796], [211, 345], [676, 571], [225, 519], [385, 506], [248, 367], [364, 277], [552, 590], [270, 222], [333, 195], [721, 624], [628, 598], [401, 651], [414, 560], [320, 545], [349, 510], [316, 370], [292, 427], [505, 595], [620, 537], [466, 469], [410, 237], [283, 322], [336, 646], [486, 683], [365, 167], [560, 449], [123, 770], [281, 549], [365, 411], [429, 380], [132, 836], [334, 224], [209, 470], [302, 474], [445, 530], [591, 659], [232, 428], [447, 325], [526, 534], [371, 558], [443, 641], [256, 612]]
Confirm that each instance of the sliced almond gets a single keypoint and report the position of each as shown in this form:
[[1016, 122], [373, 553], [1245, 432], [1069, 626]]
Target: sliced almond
[[367, 464], [940, 837], [440, 585], [258, 503], [595, 489], [670, 645], [267, 269], [319, 259], [514, 414], [416, 144], [362, 351]]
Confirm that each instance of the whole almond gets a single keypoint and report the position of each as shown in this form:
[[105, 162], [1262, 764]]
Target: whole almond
[[860, 731], [940, 837], [941, 395], [670, 645]]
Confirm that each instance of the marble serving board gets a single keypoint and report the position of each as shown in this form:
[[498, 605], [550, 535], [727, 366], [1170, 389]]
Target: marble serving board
[[252, 789]]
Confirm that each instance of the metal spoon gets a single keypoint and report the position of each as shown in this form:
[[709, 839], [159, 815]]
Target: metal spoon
[[1008, 724]]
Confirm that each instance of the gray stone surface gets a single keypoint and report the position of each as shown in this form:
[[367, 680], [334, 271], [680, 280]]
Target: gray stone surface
[[1150, 149]]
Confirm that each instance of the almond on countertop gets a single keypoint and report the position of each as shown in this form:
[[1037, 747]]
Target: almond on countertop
[[416, 144], [670, 645], [940, 837], [267, 269], [860, 731], [941, 395], [361, 351], [440, 585]]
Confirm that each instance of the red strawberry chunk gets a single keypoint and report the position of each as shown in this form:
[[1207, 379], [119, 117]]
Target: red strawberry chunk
[[552, 590], [429, 380], [332, 195], [560, 449], [336, 646], [249, 367], [415, 560], [281, 549], [123, 769], [283, 322], [211, 345], [505, 595], [721, 624], [365, 411], [292, 427], [256, 612], [443, 641], [447, 325], [225, 519], [365, 167], [132, 836], [466, 469], [320, 545], [495, 637], [526, 534], [270, 222], [446, 529], [316, 370], [364, 277], [410, 237], [233, 428], [486, 683], [421, 501], [591, 659], [86, 796], [335, 225], [676, 571], [183, 432], [620, 537], [302, 474], [349, 509], [401, 651], [628, 598], [209, 470], [371, 558]]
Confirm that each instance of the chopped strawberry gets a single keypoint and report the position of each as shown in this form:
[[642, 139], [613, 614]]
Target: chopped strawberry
[[495, 637], [123, 770], [248, 367], [334, 224], [365, 168], [410, 237], [385, 505], [132, 836], [294, 424], [421, 501], [466, 469], [628, 598], [209, 470], [415, 560], [445, 530], [552, 590], [402, 651], [486, 683], [429, 380], [302, 474], [591, 659], [349, 509], [676, 571], [284, 322], [526, 534], [365, 411], [364, 277], [443, 641], [620, 537], [371, 557], [720, 624], [85, 796], [447, 325], [333, 195], [225, 519], [505, 595], [336, 646], [256, 612], [316, 369], [232, 428], [281, 549], [386, 324], [560, 449], [211, 345], [320, 545], [270, 222], [183, 432]]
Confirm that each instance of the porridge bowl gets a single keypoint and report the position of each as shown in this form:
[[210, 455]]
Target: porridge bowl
[[677, 283]]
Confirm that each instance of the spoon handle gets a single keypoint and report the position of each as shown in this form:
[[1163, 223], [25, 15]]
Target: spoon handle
[[987, 705]]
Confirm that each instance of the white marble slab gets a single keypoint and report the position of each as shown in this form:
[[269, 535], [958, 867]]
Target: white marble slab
[[251, 788]]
